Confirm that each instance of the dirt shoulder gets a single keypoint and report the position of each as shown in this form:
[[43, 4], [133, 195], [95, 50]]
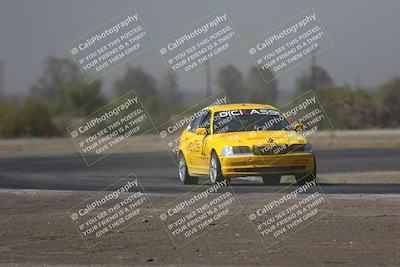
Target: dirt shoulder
[[362, 231], [149, 143]]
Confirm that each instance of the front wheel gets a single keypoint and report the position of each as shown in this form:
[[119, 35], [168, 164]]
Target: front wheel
[[215, 169], [184, 176]]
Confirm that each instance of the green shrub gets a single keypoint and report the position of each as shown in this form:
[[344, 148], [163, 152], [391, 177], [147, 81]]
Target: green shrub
[[30, 118], [10, 119], [36, 119]]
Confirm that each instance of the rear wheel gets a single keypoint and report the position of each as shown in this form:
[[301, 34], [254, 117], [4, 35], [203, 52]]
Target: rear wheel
[[184, 176], [271, 179], [215, 169], [304, 178]]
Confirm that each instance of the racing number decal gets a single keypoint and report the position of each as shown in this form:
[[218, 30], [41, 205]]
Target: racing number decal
[[195, 147]]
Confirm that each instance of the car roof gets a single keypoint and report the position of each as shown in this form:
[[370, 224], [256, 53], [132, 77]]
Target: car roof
[[239, 106]]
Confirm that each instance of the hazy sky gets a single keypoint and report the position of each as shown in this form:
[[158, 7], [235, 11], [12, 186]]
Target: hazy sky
[[366, 35]]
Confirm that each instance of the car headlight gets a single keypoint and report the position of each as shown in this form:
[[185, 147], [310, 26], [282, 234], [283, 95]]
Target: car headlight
[[235, 150], [308, 148]]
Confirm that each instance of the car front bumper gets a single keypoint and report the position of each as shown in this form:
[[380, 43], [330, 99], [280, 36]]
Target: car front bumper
[[257, 165]]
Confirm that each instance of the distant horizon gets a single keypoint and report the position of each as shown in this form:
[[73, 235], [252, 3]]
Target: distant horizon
[[42, 28]]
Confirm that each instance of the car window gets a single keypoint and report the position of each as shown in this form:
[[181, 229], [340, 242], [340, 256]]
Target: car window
[[206, 121], [202, 121], [191, 126], [195, 123]]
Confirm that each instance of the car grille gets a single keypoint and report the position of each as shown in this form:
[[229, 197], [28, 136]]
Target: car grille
[[297, 148], [273, 149]]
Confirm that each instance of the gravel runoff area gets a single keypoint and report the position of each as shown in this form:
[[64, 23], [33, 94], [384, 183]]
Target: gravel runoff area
[[362, 230]]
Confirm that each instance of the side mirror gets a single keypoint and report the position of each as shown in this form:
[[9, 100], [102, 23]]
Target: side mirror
[[299, 127], [201, 131]]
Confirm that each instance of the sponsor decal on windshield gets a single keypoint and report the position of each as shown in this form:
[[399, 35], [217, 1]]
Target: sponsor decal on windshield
[[247, 112]]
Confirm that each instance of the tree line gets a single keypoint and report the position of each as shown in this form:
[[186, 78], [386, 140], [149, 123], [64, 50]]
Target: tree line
[[61, 96]]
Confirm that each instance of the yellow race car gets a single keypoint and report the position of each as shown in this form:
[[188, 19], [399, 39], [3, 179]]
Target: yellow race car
[[238, 140]]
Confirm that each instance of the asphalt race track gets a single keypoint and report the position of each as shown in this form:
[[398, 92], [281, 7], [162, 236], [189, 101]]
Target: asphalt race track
[[157, 172]]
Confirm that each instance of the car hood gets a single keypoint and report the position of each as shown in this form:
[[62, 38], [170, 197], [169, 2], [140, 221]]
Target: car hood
[[260, 138]]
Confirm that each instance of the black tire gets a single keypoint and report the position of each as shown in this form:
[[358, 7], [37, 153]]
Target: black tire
[[304, 178], [184, 177], [218, 173], [271, 179]]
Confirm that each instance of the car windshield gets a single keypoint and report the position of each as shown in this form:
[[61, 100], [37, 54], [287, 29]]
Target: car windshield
[[249, 120]]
